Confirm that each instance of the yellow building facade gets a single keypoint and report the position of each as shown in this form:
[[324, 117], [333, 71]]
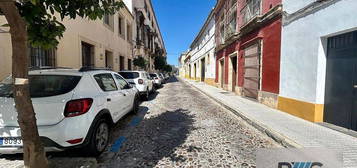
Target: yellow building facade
[[100, 43]]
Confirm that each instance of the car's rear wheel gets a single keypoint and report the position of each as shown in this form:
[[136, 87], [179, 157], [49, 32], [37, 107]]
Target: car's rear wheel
[[99, 139]]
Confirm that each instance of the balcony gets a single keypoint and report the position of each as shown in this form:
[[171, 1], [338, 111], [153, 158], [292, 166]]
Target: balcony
[[231, 24], [251, 10]]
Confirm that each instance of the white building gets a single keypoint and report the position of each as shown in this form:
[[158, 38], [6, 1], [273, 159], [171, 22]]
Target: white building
[[318, 77], [202, 53]]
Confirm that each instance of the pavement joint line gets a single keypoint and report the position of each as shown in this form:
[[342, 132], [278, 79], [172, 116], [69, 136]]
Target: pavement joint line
[[283, 140]]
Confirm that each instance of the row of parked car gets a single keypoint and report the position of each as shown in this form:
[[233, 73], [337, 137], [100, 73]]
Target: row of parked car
[[145, 82], [75, 108]]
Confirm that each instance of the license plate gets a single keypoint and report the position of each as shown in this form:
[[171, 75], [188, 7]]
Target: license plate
[[11, 141]]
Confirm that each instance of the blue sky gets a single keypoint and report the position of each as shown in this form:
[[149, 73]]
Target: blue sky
[[180, 21]]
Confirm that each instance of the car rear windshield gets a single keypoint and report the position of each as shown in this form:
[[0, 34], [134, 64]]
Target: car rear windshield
[[43, 85], [153, 75], [129, 75]]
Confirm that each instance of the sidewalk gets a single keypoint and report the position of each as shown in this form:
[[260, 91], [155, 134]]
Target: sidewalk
[[286, 129]]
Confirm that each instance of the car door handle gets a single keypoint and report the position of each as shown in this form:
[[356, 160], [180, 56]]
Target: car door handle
[[109, 99]]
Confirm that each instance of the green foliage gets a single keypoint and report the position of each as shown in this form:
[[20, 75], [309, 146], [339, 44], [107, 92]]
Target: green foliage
[[167, 68], [140, 62], [159, 62], [44, 29]]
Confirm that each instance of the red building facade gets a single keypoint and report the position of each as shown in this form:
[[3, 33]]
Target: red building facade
[[248, 37]]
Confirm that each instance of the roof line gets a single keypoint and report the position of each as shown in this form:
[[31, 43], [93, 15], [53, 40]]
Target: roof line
[[127, 9], [203, 27], [158, 27]]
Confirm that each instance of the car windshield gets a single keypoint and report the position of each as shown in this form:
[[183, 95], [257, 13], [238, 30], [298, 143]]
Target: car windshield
[[153, 75], [129, 75], [43, 85]]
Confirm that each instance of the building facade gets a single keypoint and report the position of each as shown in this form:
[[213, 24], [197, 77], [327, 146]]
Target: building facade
[[248, 38], [319, 60], [100, 43], [148, 42], [187, 65], [202, 52], [112, 42], [182, 65]]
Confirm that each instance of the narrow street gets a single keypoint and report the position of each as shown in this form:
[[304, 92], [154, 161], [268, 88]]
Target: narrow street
[[180, 127], [175, 83]]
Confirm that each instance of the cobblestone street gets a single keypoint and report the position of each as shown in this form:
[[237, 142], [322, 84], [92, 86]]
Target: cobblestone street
[[180, 127], [177, 127]]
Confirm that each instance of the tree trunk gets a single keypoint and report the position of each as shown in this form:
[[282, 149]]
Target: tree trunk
[[34, 154]]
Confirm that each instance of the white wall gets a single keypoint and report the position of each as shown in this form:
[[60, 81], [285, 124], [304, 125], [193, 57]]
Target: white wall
[[291, 6], [303, 53], [203, 47]]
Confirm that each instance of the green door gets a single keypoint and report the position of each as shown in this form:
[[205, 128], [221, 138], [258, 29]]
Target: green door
[[341, 81]]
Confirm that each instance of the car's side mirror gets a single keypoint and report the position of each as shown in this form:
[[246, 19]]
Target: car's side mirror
[[131, 86], [128, 86]]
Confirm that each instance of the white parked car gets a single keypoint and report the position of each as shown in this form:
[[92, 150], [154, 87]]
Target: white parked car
[[163, 79], [141, 80], [157, 79], [74, 109]]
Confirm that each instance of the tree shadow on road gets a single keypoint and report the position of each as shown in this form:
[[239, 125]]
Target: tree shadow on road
[[153, 95], [155, 138], [172, 79]]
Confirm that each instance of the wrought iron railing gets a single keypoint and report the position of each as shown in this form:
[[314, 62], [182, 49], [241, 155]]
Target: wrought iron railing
[[251, 10]]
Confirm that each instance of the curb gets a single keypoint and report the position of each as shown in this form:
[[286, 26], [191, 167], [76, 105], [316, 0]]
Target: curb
[[281, 139]]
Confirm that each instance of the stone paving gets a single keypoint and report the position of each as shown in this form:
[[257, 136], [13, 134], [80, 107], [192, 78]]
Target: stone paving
[[178, 127], [181, 127], [288, 128]]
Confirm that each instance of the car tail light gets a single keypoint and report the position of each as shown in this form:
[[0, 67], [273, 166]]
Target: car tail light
[[77, 107], [75, 141], [141, 81]]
